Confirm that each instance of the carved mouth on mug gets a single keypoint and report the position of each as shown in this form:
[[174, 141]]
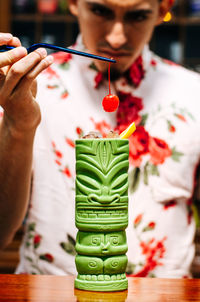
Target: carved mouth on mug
[[101, 216], [116, 277]]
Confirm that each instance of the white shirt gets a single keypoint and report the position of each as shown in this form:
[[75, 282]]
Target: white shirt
[[164, 153]]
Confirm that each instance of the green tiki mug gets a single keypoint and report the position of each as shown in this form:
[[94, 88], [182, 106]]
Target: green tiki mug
[[101, 213]]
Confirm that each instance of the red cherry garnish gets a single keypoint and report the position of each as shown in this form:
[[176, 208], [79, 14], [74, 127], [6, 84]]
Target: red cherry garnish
[[110, 102]]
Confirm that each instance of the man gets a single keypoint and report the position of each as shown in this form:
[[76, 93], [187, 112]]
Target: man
[[164, 151]]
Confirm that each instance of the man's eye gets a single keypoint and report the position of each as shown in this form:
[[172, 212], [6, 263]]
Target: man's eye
[[136, 16], [101, 11]]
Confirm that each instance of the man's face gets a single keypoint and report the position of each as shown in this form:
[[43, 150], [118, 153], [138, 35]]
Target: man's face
[[117, 28]]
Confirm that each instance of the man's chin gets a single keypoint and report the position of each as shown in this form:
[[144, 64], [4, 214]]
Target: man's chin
[[115, 73], [116, 69]]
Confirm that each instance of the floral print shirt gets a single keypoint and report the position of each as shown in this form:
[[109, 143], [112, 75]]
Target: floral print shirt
[[163, 100]]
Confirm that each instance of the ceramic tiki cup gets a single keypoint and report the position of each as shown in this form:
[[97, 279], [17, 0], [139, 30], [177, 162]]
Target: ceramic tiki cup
[[101, 213]]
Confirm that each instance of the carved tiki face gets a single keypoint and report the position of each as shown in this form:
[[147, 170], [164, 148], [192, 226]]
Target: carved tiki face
[[101, 244], [102, 184]]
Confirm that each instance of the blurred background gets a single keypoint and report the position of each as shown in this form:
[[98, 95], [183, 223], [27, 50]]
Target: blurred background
[[49, 21]]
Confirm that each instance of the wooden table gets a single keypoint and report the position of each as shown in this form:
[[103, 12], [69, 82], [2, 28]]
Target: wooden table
[[61, 289]]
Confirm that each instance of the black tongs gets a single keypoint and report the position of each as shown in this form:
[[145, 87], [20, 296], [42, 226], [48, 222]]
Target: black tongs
[[54, 47]]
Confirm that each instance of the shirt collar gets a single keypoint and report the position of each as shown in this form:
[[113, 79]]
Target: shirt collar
[[133, 76]]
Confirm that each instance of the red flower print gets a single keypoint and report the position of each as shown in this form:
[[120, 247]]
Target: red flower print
[[67, 172], [58, 153], [36, 241], [151, 225], [153, 62], [58, 162], [170, 204], [137, 220], [70, 142], [53, 144], [159, 150], [64, 94], [62, 57], [181, 117], [98, 79], [51, 73], [128, 110], [103, 127], [79, 131], [172, 129], [52, 86], [47, 257], [139, 145], [136, 72], [153, 251]]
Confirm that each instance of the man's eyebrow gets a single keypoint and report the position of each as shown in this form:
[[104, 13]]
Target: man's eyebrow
[[96, 4], [138, 11]]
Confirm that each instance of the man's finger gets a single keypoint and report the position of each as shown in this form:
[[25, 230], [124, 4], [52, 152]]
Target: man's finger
[[27, 81], [8, 39], [5, 38], [14, 42], [12, 56], [21, 68]]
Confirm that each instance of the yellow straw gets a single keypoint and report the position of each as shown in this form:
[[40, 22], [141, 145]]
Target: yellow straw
[[128, 131]]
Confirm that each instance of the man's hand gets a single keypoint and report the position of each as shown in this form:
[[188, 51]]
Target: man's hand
[[18, 71]]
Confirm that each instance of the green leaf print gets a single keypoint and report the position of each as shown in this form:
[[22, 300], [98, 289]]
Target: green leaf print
[[69, 246], [151, 275], [176, 155], [71, 240], [190, 115], [146, 174], [47, 257], [144, 119], [28, 244], [130, 268], [134, 179], [64, 66], [150, 169], [93, 66], [153, 170], [147, 228], [31, 227]]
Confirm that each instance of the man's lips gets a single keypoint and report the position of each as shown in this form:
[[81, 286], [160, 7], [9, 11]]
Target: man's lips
[[114, 54]]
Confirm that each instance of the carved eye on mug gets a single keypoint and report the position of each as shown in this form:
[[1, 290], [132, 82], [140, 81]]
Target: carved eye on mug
[[95, 240], [92, 264], [115, 240]]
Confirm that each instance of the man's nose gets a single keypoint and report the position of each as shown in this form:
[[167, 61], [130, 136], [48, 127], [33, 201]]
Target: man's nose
[[116, 37]]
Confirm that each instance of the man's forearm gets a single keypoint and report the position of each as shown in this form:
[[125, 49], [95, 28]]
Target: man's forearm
[[18, 88], [15, 178]]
